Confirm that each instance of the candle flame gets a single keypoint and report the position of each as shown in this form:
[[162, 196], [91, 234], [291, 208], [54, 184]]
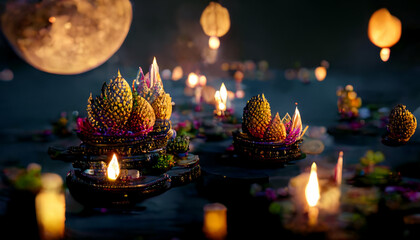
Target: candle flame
[[339, 169], [223, 93], [217, 96], [222, 106], [296, 120], [192, 80], [113, 168], [385, 53], [312, 193], [214, 43], [154, 72]]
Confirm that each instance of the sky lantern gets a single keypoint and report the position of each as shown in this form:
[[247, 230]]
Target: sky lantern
[[215, 22], [320, 73], [384, 30]]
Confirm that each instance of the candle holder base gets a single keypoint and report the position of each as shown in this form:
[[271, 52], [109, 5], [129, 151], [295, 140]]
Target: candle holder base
[[266, 153], [106, 194]]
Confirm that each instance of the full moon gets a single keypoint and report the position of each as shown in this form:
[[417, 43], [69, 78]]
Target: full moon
[[67, 37]]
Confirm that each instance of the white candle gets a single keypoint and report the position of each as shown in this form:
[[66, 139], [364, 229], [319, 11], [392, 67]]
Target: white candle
[[50, 207]]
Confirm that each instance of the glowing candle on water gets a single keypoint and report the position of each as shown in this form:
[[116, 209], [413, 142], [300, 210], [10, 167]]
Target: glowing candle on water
[[215, 223], [192, 80], [339, 169], [50, 207], [113, 168], [312, 194]]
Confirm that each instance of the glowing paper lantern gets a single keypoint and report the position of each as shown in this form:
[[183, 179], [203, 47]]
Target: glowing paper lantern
[[320, 73], [214, 42], [384, 30], [215, 20], [66, 37]]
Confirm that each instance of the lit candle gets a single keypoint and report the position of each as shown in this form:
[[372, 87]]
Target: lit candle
[[192, 80], [312, 194], [50, 207], [339, 169], [113, 168], [215, 223], [297, 122], [223, 98]]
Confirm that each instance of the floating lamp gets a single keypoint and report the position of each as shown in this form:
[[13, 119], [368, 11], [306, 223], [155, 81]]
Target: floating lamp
[[312, 194], [268, 140], [384, 30], [132, 122]]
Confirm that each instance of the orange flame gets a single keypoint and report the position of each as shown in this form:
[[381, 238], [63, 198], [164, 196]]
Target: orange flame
[[113, 168], [312, 193]]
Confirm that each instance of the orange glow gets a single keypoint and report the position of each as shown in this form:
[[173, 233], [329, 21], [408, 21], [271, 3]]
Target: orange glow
[[240, 94], [214, 43], [215, 20], [177, 73], [202, 80], [384, 30], [215, 224], [222, 106], [113, 168], [223, 93], [385, 52], [320, 73], [192, 80], [312, 193], [51, 19], [339, 169], [217, 96]]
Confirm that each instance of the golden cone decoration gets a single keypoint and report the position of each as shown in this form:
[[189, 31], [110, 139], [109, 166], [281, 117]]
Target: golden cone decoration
[[162, 106], [256, 116], [402, 123], [142, 117], [112, 108], [276, 131]]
